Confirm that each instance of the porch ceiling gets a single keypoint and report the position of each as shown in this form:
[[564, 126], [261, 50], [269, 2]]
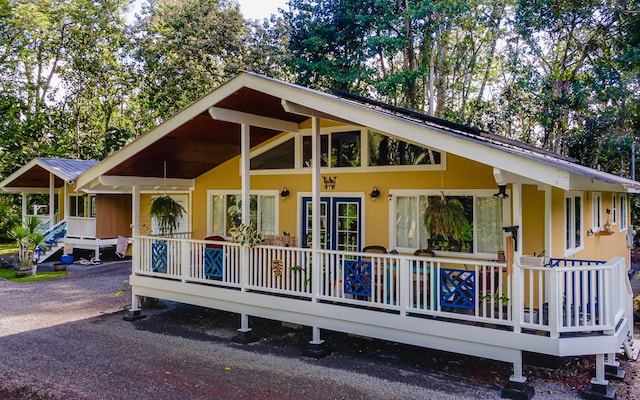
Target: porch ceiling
[[203, 143], [34, 177]]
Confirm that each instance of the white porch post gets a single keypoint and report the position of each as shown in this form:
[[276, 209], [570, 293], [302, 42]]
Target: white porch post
[[65, 196], [134, 312], [315, 204], [51, 200], [24, 205], [517, 276], [245, 255]]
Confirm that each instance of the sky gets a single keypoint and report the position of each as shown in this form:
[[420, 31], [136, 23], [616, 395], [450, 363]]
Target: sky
[[259, 9]]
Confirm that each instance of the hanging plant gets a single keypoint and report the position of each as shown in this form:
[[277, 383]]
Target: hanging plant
[[445, 217], [167, 212]]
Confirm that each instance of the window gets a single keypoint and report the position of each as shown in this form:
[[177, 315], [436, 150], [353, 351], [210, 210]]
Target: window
[[345, 149], [183, 224], [226, 212], [82, 206], [573, 222], [481, 234], [385, 150], [281, 156], [614, 209], [623, 212], [596, 208]]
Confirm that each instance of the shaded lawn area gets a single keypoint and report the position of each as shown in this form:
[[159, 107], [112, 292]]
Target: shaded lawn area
[[8, 248], [10, 274]]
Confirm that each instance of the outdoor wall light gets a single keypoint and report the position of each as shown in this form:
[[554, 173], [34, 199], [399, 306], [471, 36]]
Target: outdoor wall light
[[375, 193], [502, 192], [285, 192]]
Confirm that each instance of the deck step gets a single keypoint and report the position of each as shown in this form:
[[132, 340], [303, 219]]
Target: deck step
[[631, 348]]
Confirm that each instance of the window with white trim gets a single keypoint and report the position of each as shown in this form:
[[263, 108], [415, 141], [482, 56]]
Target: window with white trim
[[226, 212], [482, 234], [614, 209], [183, 224], [596, 210], [573, 222], [623, 212], [82, 206]]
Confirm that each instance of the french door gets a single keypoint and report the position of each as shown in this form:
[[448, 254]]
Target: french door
[[340, 223]]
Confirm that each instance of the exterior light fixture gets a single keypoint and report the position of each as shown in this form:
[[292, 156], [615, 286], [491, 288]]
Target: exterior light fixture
[[375, 193], [502, 192], [285, 192]]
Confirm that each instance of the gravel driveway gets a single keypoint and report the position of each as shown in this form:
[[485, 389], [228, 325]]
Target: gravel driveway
[[65, 339]]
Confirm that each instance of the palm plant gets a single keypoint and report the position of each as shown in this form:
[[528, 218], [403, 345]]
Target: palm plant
[[28, 238]]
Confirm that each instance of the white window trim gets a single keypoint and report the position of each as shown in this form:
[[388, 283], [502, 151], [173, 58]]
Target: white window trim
[[394, 193], [614, 209], [187, 209], [596, 212], [624, 216], [237, 192], [572, 195]]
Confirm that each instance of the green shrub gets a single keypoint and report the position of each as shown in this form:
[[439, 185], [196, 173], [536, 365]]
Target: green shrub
[[9, 217]]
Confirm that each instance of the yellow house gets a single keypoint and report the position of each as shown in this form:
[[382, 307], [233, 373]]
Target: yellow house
[[70, 216], [340, 187]]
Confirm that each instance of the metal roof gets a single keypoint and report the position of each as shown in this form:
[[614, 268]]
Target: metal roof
[[36, 173]]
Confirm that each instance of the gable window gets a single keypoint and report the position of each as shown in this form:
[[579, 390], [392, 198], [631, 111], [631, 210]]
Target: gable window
[[596, 208], [614, 209], [385, 150], [573, 222], [344, 149], [481, 235], [281, 156], [623, 212], [226, 212]]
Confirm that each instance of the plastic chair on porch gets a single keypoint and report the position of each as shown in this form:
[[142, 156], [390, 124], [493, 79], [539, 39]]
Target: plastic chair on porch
[[419, 271]]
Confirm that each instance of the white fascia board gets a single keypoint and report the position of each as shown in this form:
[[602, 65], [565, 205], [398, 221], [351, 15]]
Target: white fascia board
[[142, 181], [157, 133], [238, 117], [432, 137], [27, 167], [27, 190], [579, 182], [299, 109]]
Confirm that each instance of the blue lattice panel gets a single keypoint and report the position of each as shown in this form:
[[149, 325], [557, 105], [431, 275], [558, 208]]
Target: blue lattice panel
[[457, 288], [159, 257], [357, 277], [213, 262]]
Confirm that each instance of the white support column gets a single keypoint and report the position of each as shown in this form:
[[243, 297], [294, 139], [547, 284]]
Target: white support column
[[516, 201], [24, 205], [316, 336], [517, 276], [244, 323], [135, 228], [517, 387], [245, 132], [67, 206], [315, 204], [599, 378], [52, 220], [599, 386]]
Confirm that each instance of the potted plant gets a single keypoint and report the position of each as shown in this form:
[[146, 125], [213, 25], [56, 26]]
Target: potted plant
[[445, 220], [167, 212], [28, 238]]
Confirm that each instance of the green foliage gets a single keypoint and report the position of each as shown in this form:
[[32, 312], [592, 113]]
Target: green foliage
[[9, 216], [446, 218], [246, 235], [10, 275], [28, 237], [167, 212]]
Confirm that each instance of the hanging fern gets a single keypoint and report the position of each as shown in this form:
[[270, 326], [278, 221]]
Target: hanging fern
[[167, 213], [445, 218]]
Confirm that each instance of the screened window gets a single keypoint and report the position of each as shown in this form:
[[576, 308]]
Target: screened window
[[573, 222], [614, 209], [385, 150], [226, 213], [482, 232], [597, 210], [623, 212], [77, 206]]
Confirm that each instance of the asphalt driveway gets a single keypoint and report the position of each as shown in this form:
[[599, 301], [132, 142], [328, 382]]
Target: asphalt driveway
[[65, 339]]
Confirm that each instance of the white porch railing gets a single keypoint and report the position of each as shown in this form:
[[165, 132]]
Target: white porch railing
[[81, 227], [589, 297], [566, 299]]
